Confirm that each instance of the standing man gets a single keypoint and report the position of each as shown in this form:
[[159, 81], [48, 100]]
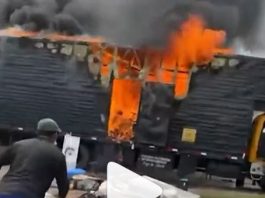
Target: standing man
[[34, 163]]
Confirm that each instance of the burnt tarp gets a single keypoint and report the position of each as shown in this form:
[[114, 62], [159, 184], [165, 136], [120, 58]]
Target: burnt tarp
[[35, 83], [219, 107]]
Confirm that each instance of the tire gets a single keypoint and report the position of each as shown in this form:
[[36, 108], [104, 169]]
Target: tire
[[262, 183], [240, 183], [83, 157]]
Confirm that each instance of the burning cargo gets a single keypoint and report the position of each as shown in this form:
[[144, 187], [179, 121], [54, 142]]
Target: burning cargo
[[137, 99]]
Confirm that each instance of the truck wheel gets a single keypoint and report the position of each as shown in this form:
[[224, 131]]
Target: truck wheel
[[83, 157], [262, 183], [240, 182]]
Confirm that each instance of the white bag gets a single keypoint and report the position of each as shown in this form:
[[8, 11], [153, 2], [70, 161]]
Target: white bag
[[70, 150]]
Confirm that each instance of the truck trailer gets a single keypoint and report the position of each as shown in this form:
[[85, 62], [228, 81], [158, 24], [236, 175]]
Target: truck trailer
[[210, 118]]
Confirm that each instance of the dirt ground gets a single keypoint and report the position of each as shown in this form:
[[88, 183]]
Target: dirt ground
[[214, 188], [220, 188], [222, 193]]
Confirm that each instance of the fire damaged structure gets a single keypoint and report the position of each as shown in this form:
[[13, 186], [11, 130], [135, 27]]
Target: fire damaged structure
[[204, 121]]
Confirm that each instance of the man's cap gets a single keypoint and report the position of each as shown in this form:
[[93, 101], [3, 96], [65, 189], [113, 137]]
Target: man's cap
[[48, 125]]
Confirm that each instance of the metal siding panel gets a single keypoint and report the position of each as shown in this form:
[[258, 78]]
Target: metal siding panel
[[258, 75], [35, 83], [220, 107]]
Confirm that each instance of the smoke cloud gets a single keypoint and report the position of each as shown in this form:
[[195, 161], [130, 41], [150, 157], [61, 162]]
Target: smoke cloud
[[254, 43], [132, 22]]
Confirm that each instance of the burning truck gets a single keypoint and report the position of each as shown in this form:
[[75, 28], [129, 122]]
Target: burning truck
[[181, 108]]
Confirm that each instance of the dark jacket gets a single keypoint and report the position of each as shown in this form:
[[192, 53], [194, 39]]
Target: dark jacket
[[34, 163]]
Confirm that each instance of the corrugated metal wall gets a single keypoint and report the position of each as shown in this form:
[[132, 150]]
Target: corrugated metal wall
[[34, 83], [259, 78], [220, 107]]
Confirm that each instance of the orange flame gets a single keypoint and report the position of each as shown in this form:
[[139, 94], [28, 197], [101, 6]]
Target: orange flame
[[124, 107], [194, 44]]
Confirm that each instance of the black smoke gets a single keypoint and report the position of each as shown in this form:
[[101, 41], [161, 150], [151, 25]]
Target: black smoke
[[133, 22], [239, 18]]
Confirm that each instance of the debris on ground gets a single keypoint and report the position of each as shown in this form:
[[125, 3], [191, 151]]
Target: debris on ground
[[169, 191], [102, 190]]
